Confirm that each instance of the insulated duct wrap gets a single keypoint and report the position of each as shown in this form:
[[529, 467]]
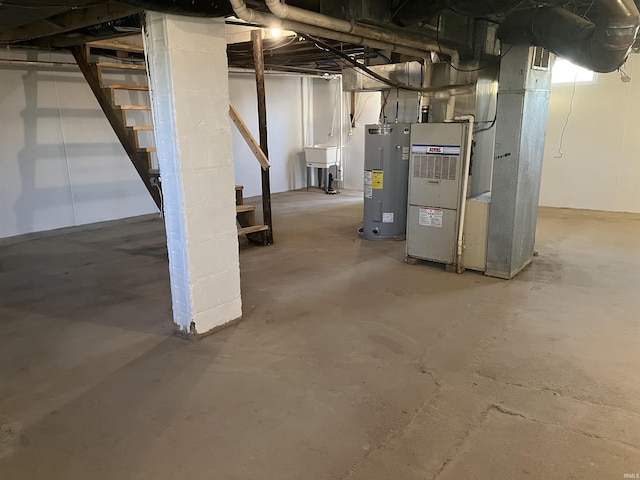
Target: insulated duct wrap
[[602, 46]]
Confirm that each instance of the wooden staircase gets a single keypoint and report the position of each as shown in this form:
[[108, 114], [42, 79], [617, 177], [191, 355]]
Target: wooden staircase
[[94, 73], [246, 220], [143, 156]]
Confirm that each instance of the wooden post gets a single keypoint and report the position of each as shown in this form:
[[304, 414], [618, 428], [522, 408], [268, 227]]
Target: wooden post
[[258, 59]]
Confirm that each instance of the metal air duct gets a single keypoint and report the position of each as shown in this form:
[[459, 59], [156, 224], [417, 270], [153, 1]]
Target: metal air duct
[[601, 46]]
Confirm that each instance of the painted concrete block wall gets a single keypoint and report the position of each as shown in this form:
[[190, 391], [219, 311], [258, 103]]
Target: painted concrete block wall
[[61, 164], [599, 165], [187, 63], [325, 128], [284, 128], [366, 113]]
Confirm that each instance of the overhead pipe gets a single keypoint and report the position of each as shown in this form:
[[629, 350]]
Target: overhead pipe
[[207, 8], [253, 16], [601, 46], [284, 11], [297, 19]]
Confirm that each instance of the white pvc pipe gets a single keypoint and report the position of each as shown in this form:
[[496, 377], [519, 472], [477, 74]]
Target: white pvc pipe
[[248, 71], [465, 185], [453, 80], [341, 135]]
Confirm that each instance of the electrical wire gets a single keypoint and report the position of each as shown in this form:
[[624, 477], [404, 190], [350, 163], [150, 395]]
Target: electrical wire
[[357, 116], [566, 122], [323, 46], [397, 103], [477, 69], [161, 200], [588, 9], [282, 45], [382, 117], [378, 54], [492, 123]]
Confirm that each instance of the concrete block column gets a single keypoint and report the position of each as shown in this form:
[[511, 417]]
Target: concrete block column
[[188, 80]]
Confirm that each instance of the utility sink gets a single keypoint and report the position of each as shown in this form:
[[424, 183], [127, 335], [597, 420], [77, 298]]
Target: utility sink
[[321, 156]]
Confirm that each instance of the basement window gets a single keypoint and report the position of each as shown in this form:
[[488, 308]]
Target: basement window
[[566, 72]]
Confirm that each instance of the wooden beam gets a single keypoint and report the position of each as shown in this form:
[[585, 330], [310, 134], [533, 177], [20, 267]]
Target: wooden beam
[[258, 60], [110, 45], [246, 134], [71, 20], [139, 159]]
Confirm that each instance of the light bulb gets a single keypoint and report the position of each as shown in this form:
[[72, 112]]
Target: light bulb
[[276, 32]]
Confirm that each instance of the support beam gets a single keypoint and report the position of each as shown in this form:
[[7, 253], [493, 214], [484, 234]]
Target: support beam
[[189, 88], [248, 137], [258, 59], [67, 21]]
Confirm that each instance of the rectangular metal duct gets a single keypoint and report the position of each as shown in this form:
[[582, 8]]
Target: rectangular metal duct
[[354, 80]]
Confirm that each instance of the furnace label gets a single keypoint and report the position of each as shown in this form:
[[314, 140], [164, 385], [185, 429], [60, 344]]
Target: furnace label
[[430, 217]]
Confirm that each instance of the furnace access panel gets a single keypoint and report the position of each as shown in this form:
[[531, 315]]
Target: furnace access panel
[[435, 184]]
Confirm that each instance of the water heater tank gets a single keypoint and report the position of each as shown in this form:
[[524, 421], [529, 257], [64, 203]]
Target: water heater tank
[[386, 174]]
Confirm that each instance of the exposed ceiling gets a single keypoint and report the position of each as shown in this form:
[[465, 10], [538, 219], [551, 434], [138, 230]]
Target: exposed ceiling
[[47, 22], [596, 34]]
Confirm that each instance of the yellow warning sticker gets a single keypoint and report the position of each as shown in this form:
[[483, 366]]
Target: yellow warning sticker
[[377, 178]]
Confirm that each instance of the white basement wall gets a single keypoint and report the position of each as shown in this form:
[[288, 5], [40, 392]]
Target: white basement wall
[[599, 165], [325, 121], [300, 111], [284, 130], [61, 164], [366, 113]]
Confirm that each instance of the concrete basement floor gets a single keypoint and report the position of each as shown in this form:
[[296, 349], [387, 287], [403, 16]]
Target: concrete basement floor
[[348, 364]]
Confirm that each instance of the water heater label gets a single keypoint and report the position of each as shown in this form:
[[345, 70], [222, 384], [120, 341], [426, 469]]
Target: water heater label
[[387, 217], [368, 191], [377, 179], [430, 217]]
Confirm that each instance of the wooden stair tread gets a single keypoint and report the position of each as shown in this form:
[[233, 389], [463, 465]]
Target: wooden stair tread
[[127, 86], [132, 107], [121, 66], [147, 149], [140, 127], [239, 187], [245, 208], [123, 47], [252, 229]]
